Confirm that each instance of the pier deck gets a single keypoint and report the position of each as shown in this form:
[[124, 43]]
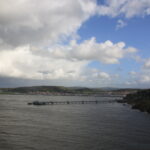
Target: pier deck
[[71, 102]]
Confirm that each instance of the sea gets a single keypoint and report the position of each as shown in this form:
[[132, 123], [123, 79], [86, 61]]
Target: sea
[[102, 126]]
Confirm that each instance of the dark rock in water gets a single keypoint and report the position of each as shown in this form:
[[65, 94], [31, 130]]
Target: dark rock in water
[[120, 101]]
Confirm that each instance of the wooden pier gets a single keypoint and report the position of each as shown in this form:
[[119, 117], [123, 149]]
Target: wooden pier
[[71, 102]]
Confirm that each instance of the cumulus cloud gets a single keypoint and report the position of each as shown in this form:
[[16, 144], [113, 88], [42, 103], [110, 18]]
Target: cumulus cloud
[[107, 52], [37, 22], [60, 62], [33, 33], [127, 8], [95, 73], [23, 63], [41, 23]]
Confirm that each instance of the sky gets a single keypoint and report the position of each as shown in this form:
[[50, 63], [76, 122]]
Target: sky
[[89, 43]]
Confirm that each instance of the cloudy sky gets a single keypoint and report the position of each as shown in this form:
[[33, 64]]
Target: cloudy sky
[[103, 43]]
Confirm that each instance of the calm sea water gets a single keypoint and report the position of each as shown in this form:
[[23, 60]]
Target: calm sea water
[[104, 126]]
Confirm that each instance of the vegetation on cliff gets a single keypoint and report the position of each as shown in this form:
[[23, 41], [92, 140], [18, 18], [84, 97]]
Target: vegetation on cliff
[[139, 100]]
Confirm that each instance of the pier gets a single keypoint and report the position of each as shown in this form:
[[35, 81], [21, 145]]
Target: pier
[[71, 102]]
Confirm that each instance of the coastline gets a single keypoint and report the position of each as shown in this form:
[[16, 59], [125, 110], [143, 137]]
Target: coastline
[[139, 100]]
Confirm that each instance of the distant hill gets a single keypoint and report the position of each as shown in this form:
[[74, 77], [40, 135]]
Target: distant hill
[[65, 90], [139, 100], [51, 89]]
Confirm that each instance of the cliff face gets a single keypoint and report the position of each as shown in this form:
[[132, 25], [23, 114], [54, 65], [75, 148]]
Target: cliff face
[[139, 100]]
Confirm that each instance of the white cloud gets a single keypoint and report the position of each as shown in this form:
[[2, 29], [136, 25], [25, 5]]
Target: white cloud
[[128, 8], [120, 24], [60, 62], [23, 63], [147, 64], [145, 72], [145, 79], [104, 75], [107, 52], [30, 29], [142, 76], [95, 73], [132, 73], [39, 22]]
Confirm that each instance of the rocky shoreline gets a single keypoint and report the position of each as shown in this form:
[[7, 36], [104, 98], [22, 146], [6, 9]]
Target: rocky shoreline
[[139, 100]]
